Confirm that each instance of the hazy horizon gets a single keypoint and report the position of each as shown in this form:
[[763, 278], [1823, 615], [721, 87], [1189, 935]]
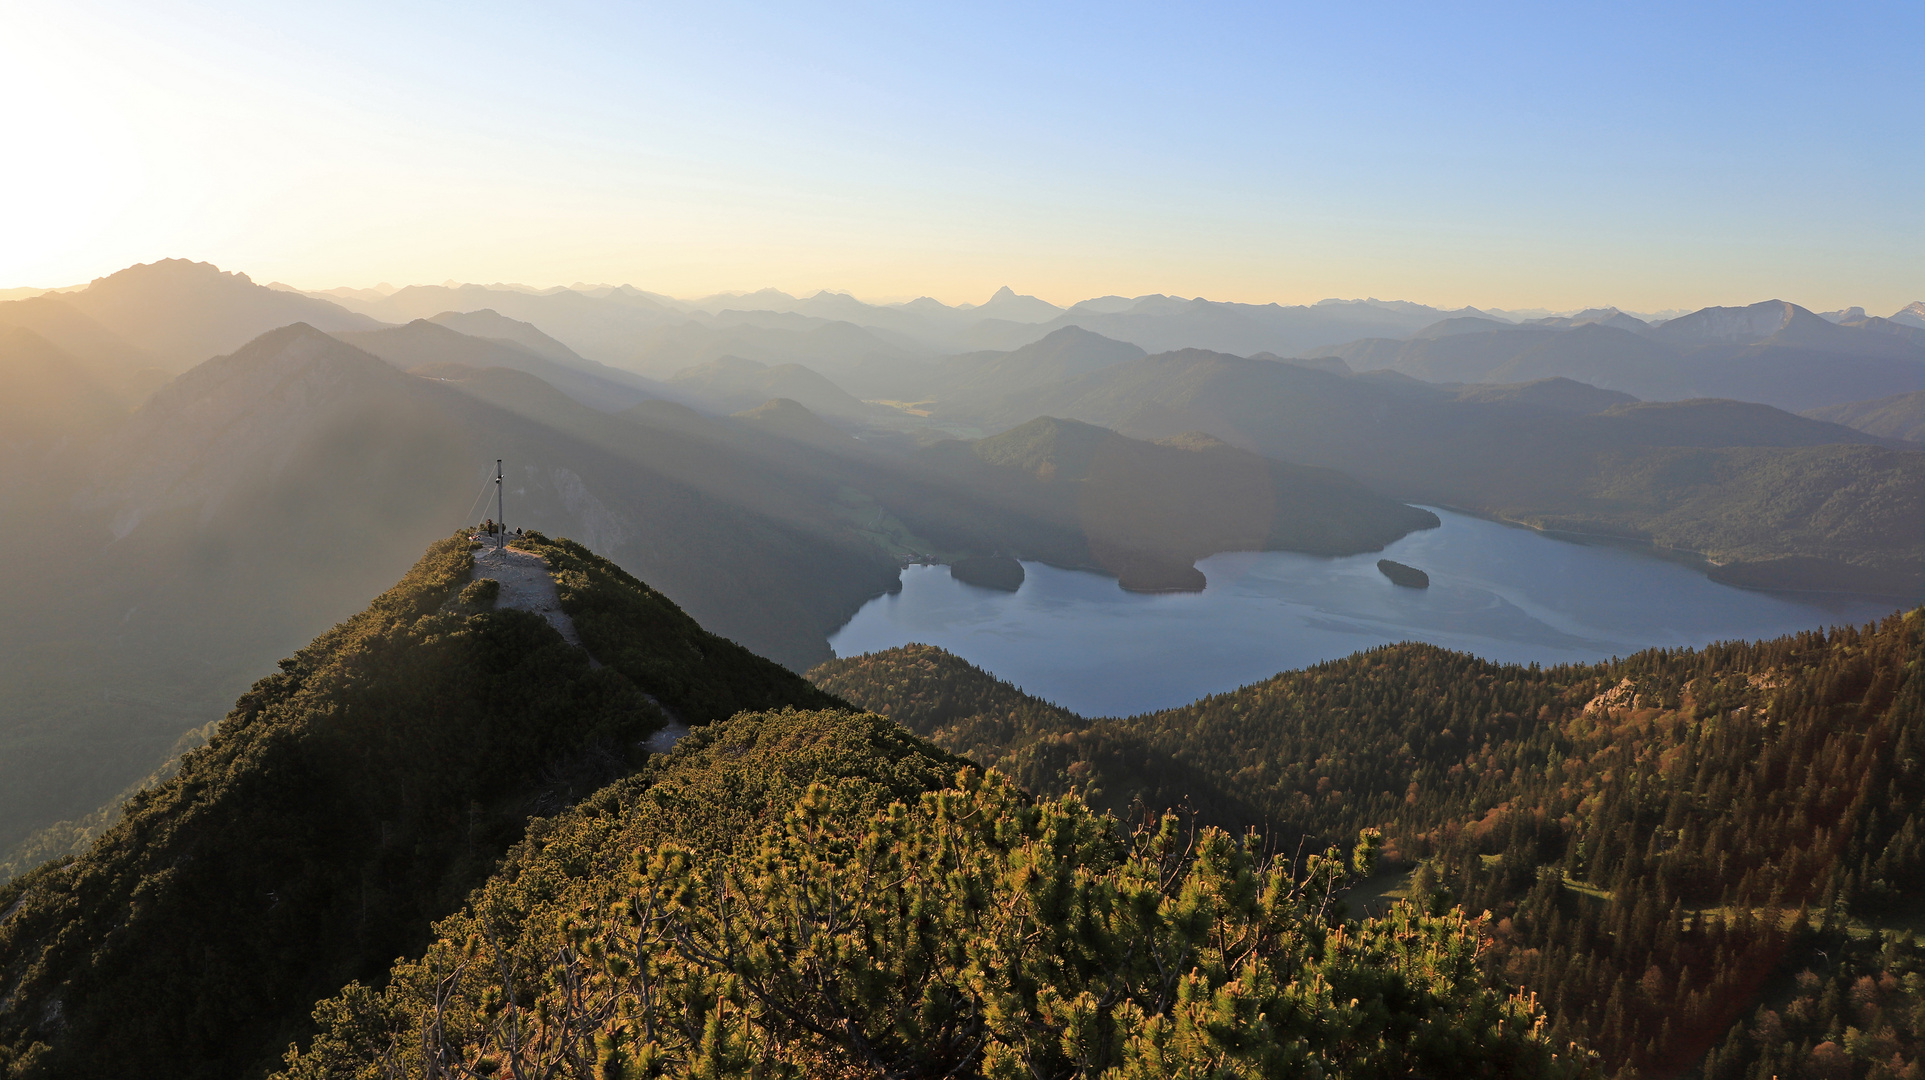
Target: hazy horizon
[[1513, 158], [386, 287]]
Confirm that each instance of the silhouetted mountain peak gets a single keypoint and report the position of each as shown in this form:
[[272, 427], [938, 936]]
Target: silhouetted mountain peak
[[1732, 325], [172, 271], [1067, 338], [1103, 305], [1464, 324], [184, 312], [1009, 304], [1610, 316]]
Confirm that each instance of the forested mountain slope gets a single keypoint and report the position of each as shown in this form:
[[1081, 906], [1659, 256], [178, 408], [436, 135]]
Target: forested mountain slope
[[1901, 416], [821, 894], [345, 802], [1672, 846], [1147, 511], [1774, 500]]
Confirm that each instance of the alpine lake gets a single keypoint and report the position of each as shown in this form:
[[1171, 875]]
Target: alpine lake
[[1503, 592]]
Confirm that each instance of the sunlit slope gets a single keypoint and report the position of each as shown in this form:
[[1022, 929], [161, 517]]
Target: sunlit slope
[[346, 801], [821, 894], [1317, 752], [1645, 833]]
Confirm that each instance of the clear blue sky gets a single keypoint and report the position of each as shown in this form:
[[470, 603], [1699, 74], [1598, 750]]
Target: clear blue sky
[[1554, 155]]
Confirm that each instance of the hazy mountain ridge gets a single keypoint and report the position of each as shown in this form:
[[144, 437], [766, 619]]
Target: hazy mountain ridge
[[185, 312], [1768, 352], [1901, 416], [1743, 484], [596, 325], [972, 382], [115, 365], [733, 384], [1772, 352], [425, 342], [1149, 511], [490, 324]]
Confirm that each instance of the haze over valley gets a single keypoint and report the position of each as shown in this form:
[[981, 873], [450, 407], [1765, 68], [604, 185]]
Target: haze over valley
[[1271, 542], [771, 469]]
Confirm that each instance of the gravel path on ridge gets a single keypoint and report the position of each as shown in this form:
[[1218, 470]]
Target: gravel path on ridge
[[526, 585]]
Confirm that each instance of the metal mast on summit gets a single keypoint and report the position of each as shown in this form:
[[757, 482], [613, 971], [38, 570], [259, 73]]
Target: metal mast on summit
[[501, 523]]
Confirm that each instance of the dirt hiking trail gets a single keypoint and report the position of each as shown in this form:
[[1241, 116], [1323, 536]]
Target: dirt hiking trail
[[527, 585]]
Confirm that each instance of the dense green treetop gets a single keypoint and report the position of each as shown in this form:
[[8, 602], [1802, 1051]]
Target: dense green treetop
[[703, 920], [1666, 843]]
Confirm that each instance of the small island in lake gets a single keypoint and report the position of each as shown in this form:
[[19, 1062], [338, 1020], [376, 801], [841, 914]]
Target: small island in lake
[[989, 572], [1408, 576]]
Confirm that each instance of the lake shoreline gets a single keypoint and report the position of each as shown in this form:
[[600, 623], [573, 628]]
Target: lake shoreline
[[1501, 590]]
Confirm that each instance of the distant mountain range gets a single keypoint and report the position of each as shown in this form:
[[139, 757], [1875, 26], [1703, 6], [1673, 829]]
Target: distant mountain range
[[1773, 499], [1774, 352], [187, 519], [169, 315]]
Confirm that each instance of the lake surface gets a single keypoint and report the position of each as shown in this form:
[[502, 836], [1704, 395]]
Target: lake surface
[[1503, 592]]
